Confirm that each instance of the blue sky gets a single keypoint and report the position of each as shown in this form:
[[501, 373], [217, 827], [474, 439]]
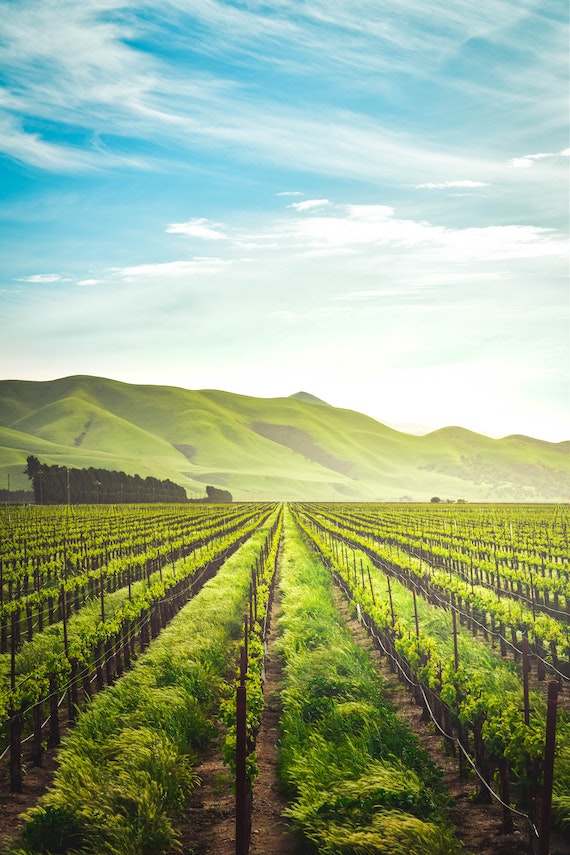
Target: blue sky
[[366, 200]]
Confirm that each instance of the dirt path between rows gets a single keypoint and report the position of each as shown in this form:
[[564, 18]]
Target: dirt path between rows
[[36, 780], [269, 831], [209, 825]]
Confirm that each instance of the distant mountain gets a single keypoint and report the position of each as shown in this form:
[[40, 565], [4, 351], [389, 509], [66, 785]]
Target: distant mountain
[[280, 448], [309, 399], [410, 427]]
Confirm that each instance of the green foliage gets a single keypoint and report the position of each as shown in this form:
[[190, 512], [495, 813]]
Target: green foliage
[[389, 833], [123, 794], [561, 790], [54, 831], [356, 779], [59, 485], [215, 494], [44, 654]]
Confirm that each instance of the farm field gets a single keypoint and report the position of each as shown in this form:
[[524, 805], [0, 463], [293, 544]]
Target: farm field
[[122, 629]]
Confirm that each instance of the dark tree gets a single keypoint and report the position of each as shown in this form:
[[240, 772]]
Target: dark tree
[[34, 472], [59, 484], [214, 494], [33, 466]]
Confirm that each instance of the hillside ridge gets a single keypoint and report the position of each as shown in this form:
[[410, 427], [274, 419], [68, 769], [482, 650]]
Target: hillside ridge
[[283, 448]]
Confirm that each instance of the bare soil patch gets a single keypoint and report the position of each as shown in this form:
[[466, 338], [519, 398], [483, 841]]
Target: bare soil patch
[[209, 825], [12, 805], [35, 781], [270, 833]]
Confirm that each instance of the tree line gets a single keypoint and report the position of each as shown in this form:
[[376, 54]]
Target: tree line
[[59, 485]]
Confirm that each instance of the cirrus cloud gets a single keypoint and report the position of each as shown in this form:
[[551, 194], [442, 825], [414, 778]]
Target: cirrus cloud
[[42, 278], [169, 269], [309, 204], [199, 228], [529, 160], [446, 185]]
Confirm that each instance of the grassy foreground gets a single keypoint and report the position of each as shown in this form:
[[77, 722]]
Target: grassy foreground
[[358, 782]]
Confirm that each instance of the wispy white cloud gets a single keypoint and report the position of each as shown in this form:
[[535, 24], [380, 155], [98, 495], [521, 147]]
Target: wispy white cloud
[[376, 293], [360, 225], [368, 235], [170, 269], [200, 228], [502, 242], [289, 193], [78, 65], [445, 185], [28, 147], [528, 160], [377, 228], [42, 278], [309, 204], [407, 36], [371, 230]]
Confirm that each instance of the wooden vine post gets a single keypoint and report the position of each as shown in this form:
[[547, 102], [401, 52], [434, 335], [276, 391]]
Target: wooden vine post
[[546, 807], [371, 588], [3, 626], [505, 791], [242, 817], [391, 601], [37, 747], [531, 793], [16, 722], [455, 647], [526, 668], [416, 612], [16, 725]]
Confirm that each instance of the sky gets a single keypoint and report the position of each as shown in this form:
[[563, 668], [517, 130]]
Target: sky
[[363, 199]]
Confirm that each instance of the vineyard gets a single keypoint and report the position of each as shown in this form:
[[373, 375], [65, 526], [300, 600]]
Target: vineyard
[[133, 638]]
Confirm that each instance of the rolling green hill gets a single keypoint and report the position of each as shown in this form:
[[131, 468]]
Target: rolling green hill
[[279, 448]]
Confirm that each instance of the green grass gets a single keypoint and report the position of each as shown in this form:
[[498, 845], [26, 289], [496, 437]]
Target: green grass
[[357, 780]]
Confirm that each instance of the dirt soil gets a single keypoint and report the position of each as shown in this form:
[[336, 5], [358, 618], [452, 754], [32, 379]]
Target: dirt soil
[[209, 826], [36, 780], [269, 831]]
